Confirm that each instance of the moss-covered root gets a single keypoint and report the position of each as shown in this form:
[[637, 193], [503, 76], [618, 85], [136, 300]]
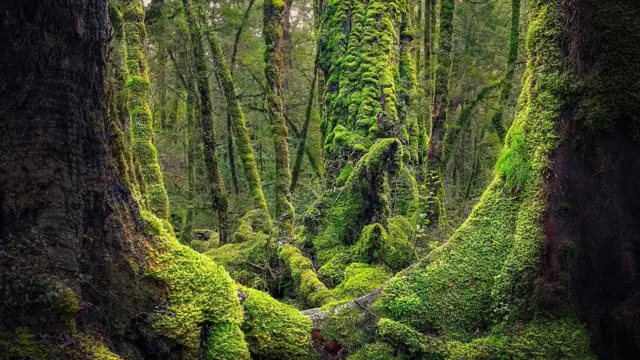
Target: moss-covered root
[[202, 299], [138, 86], [273, 13], [274, 330], [311, 290]]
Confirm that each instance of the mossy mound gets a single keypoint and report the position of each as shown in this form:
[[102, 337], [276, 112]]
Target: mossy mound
[[248, 257], [274, 330], [201, 296]]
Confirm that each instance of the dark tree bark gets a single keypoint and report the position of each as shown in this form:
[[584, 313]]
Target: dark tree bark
[[219, 198], [68, 222]]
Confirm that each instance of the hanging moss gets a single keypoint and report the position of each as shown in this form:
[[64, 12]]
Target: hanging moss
[[199, 292], [138, 87], [274, 330]]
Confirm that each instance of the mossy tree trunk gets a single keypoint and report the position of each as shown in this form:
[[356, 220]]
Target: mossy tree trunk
[[186, 234], [364, 48], [67, 218], [302, 145], [219, 199], [435, 151], [546, 242], [273, 16], [426, 82], [512, 57], [138, 86], [238, 124]]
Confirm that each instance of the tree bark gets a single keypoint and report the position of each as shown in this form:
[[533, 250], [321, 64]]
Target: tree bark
[[512, 57], [273, 14], [68, 222], [219, 199], [297, 165], [442, 73], [138, 86]]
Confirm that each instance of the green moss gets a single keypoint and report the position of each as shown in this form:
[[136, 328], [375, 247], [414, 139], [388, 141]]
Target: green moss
[[92, 349], [375, 351], [274, 330], [23, 344], [226, 342], [138, 86], [514, 163], [344, 175], [199, 292], [311, 290], [409, 340], [359, 280], [249, 256], [564, 338], [349, 327]]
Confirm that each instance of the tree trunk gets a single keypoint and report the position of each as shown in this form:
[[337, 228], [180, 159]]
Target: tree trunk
[[238, 124], [219, 199], [442, 73], [138, 86], [297, 165], [68, 221], [512, 57], [273, 13], [186, 234], [553, 238]]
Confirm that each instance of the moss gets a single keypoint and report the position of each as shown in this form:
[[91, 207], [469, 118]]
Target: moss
[[359, 280], [274, 330], [344, 175], [92, 349], [138, 86], [248, 258], [563, 338], [199, 292], [311, 290], [514, 163], [349, 327], [409, 340], [375, 351], [226, 342], [365, 199], [23, 344]]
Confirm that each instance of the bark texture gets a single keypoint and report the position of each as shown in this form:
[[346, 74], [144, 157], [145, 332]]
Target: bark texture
[[273, 15]]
